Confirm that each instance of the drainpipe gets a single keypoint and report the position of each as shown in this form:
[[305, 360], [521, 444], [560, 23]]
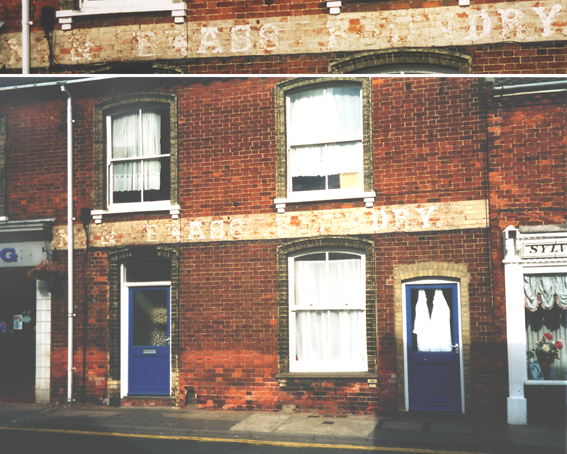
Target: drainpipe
[[70, 244], [25, 36]]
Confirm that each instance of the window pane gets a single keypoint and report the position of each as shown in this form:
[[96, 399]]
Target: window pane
[[330, 166], [126, 136], [150, 317], [323, 115], [311, 289], [151, 270], [347, 335], [345, 283], [310, 335]]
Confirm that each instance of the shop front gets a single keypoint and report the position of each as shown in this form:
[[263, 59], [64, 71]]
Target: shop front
[[536, 307], [25, 312]]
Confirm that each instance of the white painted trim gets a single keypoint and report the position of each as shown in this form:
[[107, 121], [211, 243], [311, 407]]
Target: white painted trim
[[147, 207], [42, 343], [324, 196], [405, 341], [515, 267], [95, 8]]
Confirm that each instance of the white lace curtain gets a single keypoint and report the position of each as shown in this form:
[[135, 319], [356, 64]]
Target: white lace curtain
[[325, 132], [324, 333], [544, 291], [136, 135]]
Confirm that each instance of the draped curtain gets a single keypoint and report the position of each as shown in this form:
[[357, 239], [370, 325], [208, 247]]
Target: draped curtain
[[325, 132], [547, 292], [136, 135], [327, 329]]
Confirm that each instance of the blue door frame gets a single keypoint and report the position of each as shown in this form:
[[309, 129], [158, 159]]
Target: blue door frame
[[434, 377], [149, 366]]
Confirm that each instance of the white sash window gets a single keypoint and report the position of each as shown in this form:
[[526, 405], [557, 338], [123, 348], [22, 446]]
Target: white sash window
[[138, 163], [325, 150], [327, 312]]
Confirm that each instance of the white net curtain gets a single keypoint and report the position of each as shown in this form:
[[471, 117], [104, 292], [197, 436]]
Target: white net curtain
[[545, 298], [136, 135], [325, 134], [329, 313]]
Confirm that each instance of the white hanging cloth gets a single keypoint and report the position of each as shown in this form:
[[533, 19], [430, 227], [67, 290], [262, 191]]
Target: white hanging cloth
[[440, 324], [545, 291], [422, 323]]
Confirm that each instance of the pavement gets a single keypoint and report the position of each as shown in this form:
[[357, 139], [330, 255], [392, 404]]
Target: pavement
[[443, 434]]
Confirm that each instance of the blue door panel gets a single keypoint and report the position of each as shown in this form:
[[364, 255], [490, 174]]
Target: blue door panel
[[434, 377], [149, 351]]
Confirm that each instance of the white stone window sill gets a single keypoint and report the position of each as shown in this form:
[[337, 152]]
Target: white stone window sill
[[174, 210], [546, 382], [178, 10], [324, 196]]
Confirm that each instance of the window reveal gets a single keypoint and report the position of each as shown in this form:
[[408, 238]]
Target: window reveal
[[325, 149], [327, 313], [139, 159]]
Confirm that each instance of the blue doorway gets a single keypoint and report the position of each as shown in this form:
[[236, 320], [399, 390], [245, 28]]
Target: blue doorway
[[149, 359], [434, 381]]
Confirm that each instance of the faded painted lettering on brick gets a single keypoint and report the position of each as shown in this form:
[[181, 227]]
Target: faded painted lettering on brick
[[347, 221]]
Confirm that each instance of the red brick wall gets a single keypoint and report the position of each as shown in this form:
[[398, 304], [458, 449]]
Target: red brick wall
[[528, 178], [429, 142]]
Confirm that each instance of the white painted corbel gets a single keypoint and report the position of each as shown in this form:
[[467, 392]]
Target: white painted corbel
[[334, 7]]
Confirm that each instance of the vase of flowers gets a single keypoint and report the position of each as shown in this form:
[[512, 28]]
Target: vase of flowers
[[545, 352], [47, 271]]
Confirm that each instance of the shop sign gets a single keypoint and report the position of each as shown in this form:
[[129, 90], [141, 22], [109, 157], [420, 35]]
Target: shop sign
[[544, 249], [8, 254], [28, 253]]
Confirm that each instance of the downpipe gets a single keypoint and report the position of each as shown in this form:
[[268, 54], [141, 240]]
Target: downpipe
[[25, 36], [70, 244]]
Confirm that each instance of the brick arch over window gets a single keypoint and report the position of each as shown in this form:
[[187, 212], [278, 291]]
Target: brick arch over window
[[433, 270], [283, 253], [115, 260], [104, 108], [410, 60]]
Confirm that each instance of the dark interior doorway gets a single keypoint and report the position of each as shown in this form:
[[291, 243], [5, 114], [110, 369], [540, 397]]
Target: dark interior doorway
[[17, 336]]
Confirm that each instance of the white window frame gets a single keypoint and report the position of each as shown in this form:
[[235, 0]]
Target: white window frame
[[98, 7], [298, 366], [113, 207], [322, 194]]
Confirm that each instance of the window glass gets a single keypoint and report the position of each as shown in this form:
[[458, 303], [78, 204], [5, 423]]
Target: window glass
[[546, 313], [139, 158], [325, 149], [150, 270], [328, 313]]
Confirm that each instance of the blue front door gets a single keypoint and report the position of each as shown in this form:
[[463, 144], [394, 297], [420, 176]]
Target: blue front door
[[149, 352], [433, 350]]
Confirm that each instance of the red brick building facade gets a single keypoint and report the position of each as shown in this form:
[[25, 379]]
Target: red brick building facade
[[245, 258], [285, 37]]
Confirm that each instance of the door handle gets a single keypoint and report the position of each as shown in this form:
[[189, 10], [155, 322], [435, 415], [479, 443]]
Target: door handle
[[455, 348]]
